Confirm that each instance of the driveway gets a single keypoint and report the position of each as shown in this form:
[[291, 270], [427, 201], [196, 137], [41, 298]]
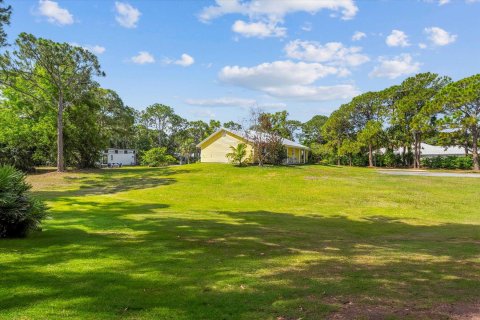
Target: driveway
[[428, 173]]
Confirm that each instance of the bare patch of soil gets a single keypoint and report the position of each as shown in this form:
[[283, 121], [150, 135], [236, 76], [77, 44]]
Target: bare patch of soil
[[350, 309]]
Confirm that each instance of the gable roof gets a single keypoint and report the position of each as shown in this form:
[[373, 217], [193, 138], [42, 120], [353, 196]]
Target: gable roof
[[243, 135]]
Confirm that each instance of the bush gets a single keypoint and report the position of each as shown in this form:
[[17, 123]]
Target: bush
[[448, 162], [157, 157], [19, 213]]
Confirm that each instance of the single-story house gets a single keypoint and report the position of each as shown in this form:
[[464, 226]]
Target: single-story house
[[124, 157], [216, 147]]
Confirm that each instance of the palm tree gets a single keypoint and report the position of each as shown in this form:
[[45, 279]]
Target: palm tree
[[238, 154]]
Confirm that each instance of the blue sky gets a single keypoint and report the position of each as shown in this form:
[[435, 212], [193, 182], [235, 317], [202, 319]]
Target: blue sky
[[216, 59]]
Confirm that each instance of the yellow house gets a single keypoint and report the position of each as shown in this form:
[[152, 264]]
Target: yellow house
[[216, 147]]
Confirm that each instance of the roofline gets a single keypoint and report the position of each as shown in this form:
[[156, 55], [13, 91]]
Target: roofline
[[235, 134]]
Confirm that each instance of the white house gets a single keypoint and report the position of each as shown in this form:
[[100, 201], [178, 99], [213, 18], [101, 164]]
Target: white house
[[429, 151], [125, 157]]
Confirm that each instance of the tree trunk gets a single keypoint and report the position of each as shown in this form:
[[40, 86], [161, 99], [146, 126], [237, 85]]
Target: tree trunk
[[60, 160], [476, 165], [417, 145], [350, 160], [370, 156], [404, 158]]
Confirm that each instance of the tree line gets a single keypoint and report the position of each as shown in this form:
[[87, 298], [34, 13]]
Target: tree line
[[53, 111]]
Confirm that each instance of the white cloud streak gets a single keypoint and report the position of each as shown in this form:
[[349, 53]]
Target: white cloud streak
[[54, 13], [395, 67], [127, 15]]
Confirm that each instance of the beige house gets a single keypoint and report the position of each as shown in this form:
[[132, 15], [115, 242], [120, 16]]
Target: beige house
[[216, 147]]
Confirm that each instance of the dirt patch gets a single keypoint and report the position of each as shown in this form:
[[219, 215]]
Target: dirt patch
[[350, 309]]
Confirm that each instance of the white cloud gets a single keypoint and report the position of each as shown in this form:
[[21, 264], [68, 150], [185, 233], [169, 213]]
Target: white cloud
[[442, 2], [234, 102], [92, 48], [439, 37], [184, 61], [422, 45], [397, 66], [266, 15], [397, 38], [287, 79], [358, 35], [276, 10], [331, 53], [143, 57], [222, 102], [258, 29], [127, 16], [54, 13]]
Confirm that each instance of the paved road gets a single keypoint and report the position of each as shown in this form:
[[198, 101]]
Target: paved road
[[429, 174]]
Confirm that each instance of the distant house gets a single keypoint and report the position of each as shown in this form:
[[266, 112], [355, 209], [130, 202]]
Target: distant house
[[216, 147], [429, 151], [124, 157]]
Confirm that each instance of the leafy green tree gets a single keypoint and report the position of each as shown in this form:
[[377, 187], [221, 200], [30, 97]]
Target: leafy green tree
[[366, 116], [61, 72], [232, 126], [312, 130], [337, 129], [19, 212], [409, 100], [157, 157], [459, 102], [5, 13], [349, 148], [213, 126], [159, 117], [238, 154]]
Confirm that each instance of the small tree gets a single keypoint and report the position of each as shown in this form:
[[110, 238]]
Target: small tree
[[157, 157], [19, 212], [238, 154]]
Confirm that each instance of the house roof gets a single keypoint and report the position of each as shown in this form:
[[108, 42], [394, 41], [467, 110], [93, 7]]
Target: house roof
[[244, 135], [429, 150]]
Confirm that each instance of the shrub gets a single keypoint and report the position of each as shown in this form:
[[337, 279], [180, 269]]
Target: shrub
[[157, 157], [19, 212], [448, 162]]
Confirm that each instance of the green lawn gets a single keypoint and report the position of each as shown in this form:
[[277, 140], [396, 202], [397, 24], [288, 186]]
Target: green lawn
[[211, 241]]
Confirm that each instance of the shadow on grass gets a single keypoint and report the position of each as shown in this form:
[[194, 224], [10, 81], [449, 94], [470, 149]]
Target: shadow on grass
[[142, 261], [111, 181]]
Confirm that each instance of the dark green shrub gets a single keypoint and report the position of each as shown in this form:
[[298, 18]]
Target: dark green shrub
[[19, 212], [157, 157], [448, 162]]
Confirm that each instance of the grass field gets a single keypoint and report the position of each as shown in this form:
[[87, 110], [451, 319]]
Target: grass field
[[209, 241]]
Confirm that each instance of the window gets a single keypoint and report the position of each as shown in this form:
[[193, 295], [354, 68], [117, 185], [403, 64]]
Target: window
[[106, 151], [116, 151], [111, 157], [126, 151]]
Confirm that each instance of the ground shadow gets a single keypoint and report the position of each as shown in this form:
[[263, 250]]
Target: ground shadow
[[126, 260]]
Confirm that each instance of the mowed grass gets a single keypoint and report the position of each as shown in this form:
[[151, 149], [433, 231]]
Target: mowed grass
[[212, 241]]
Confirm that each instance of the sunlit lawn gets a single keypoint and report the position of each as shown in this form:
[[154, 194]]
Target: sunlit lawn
[[219, 242]]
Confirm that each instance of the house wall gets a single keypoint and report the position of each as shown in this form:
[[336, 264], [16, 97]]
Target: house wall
[[126, 159], [216, 149]]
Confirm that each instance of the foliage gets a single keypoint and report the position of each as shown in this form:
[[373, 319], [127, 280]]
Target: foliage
[[53, 74], [459, 102], [448, 162], [157, 157], [238, 154], [19, 212], [5, 13]]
